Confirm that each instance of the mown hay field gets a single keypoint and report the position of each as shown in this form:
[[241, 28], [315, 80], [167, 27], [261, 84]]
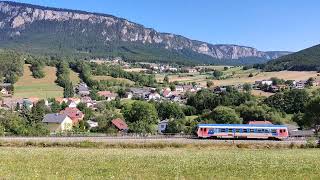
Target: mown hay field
[[28, 86], [167, 163]]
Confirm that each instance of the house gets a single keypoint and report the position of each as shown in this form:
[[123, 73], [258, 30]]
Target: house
[[57, 122], [128, 95], [192, 70], [108, 95], [167, 93], [140, 92], [82, 89], [4, 92], [275, 89], [179, 88], [120, 125], [300, 85], [27, 103], [72, 104], [88, 101], [11, 104], [92, 124], [154, 96], [264, 82], [74, 113], [162, 126]]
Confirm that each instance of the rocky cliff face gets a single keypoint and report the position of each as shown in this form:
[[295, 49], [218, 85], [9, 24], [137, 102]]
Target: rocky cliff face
[[16, 18]]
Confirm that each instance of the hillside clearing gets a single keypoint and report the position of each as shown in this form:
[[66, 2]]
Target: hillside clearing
[[168, 163], [28, 86]]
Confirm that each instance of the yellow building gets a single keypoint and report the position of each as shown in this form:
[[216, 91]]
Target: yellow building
[[57, 122]]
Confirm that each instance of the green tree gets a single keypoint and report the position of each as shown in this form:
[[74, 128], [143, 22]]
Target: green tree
[[168, 110], [166, 79], [247, 87], [217, 74], [210, 84], [175, 126], [225, 115], [141, 116], [312, 113]]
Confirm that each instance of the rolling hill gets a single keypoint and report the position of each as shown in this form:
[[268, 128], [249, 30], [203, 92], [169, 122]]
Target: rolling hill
[[53, 31], [304, 60]]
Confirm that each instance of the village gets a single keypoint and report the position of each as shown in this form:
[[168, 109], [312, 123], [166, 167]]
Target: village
[[69, 116]]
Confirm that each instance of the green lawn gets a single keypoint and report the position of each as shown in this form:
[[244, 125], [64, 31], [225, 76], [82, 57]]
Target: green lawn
[[167, 163]]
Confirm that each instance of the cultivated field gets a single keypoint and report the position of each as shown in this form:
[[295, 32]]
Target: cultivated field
[[109, 78], [154, 163], [28, 86]]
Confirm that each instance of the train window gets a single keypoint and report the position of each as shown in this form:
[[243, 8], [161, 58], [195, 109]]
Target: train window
[[230, 130], [252, 130], [223, 130], [284, 130], [274, 131], [237, 130], [280, 130], [259, 130], [266, 130], [244, 130]]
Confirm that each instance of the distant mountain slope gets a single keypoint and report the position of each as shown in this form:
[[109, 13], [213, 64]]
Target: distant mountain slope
[[46, 30], [307, 59]]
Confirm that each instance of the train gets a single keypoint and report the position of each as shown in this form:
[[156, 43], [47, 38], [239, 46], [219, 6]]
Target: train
[[243, 131]]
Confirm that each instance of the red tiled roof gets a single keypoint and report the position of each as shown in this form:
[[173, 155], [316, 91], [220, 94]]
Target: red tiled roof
[[259, 122], [120, 124], [74, 113]]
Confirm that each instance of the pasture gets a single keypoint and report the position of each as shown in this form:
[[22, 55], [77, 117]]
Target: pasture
[[28, 86], [158, 163]]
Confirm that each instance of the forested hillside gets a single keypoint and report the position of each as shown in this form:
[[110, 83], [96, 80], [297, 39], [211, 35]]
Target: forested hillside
[[305, 60]]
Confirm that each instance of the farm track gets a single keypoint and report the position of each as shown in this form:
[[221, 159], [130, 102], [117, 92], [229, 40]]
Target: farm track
[[146, 140]]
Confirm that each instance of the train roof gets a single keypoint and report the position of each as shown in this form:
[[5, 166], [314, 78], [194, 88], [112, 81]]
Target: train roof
[[242, 125]]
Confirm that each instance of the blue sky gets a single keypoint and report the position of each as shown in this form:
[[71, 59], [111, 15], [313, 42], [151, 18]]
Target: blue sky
[[264, 24]]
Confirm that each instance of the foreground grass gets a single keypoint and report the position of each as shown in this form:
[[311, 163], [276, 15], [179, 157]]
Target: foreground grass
[[167, 163]]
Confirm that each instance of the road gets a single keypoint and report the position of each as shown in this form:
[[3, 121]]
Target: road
[[139, 140]]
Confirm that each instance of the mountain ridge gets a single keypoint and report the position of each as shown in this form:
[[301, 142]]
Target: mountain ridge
[[19, 20]]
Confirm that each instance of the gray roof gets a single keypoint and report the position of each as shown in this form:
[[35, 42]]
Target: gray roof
[[54, 118]]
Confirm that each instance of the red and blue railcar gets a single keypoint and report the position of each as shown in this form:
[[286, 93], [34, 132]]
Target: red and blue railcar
[[243, 131]]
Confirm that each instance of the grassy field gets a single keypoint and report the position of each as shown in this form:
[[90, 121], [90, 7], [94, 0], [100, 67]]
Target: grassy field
[[74, 77], [168, 163], [127, 81], [236, 75], [27, 86]]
